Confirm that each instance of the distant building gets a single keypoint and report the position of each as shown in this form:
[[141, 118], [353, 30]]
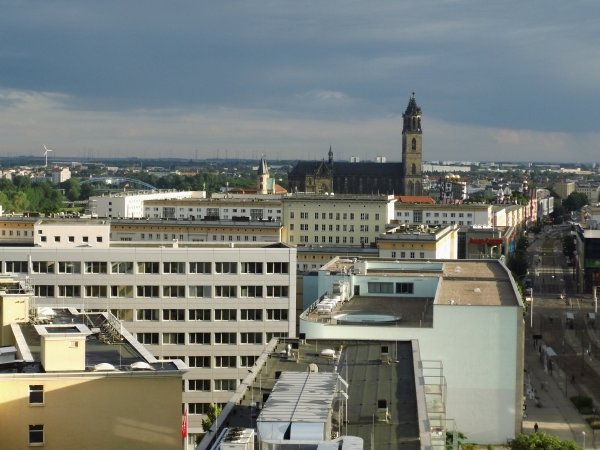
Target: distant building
[[60, 174], [563, 189], [131, 204], [355, 177]]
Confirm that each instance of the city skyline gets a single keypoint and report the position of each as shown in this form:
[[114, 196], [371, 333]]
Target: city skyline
[[496, 81]]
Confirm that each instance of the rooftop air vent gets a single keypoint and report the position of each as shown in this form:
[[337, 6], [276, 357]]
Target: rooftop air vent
[[104, 367], [141, 365]]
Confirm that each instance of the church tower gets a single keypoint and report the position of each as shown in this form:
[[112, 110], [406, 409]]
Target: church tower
[[263, 177], [412, 149]]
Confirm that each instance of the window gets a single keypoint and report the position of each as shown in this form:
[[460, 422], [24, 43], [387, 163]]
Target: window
[[199, 361], [277, 267], [248, 360], [277, 314], [226, 267], [251, 267], [42, 267], [276, 334], [225, 338], [43, 290], [199, 314], [173, 314], [174, 291], [198, 408], [173, 338], [225, 361], [404, 288], [146, 314], [250, 338], [147, 267], [16, 266], [380, 287], [36, 435], [95, 291], [277, 291], [251, 314], [199, 385], [422, 255], [199, 291], [412, 255], [199, 338], [96, 267], [121, 267], [56, 238], [225, 385], [148, 338], [364, 216], [200, 267], [402, 254], [36, 394], [225, 291], [251, 291], [69, 267], [225, 315], [121, 291], [147, 291], [174, 267], [69, 291]]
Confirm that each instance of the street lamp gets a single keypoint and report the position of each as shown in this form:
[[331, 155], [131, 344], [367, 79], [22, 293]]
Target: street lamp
[[583, 434]]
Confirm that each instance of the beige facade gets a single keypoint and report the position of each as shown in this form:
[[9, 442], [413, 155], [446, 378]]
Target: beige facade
[[95, 411], [335, 220], [563, 189], [592, 191], [419, 243]]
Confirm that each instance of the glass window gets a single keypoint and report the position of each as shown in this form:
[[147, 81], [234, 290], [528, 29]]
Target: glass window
[[36, 434], [36, 394]]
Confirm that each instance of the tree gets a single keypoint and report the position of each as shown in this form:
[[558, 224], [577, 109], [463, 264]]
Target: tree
[[541, 441], [575, 201], [212, 414], [72, 189]]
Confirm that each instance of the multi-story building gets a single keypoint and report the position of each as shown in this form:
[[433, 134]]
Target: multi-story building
[[419, 242], [245, 208], [215, 306], [60, 174], [467, 317], [219, 231], [335, 220], [131, 204], [72, 380], [509, 216], [440, 214], [563, 189], [592, 191]]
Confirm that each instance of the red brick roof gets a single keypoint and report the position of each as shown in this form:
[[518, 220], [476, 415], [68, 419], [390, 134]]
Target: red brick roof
[[415, 199]]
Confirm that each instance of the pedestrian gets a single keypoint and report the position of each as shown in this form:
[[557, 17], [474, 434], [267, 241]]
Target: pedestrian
[[535, 428]]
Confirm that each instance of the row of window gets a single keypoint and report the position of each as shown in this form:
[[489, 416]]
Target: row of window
[[207, 315], [412, 255], [324, 227], [387, 287], [156, 291], [334, 216], [149, 267], [84, 239], [15, 233], [437, 214], [330, 239], [203, 338]]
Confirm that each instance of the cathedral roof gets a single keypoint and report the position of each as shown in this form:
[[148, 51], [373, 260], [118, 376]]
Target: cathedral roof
[[412, 109], [349, 169], [263, 169]]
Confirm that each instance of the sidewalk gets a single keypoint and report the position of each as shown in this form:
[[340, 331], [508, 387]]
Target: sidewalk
[[556, 415]]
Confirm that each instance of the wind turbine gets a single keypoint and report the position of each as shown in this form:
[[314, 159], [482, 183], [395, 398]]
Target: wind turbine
[[46, 150]]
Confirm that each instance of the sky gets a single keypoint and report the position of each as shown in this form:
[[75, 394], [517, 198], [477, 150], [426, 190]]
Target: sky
[[496, 80]]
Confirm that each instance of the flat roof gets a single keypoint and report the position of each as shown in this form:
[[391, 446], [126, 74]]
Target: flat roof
[[103, 345], [359, 364]]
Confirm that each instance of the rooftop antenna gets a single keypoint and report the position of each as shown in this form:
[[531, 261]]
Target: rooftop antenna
[[46, 150]]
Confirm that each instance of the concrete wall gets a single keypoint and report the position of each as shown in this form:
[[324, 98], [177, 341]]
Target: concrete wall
[[133, 411], [480, 348]]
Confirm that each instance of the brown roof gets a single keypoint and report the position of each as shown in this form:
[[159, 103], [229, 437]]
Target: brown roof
[[414, 199]]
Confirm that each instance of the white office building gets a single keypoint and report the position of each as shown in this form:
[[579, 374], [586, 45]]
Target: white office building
[[214, 307]]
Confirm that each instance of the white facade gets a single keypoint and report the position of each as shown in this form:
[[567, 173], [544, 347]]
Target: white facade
[[216, 208], [476, 333], [124, 204], [464, 214], [213, 307], [50, 233], [60, 174]]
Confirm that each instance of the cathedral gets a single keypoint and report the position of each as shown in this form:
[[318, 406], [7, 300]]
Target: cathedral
[[340, 177]]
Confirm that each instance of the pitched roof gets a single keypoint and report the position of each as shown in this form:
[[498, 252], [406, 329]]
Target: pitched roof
[[414, 199]]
